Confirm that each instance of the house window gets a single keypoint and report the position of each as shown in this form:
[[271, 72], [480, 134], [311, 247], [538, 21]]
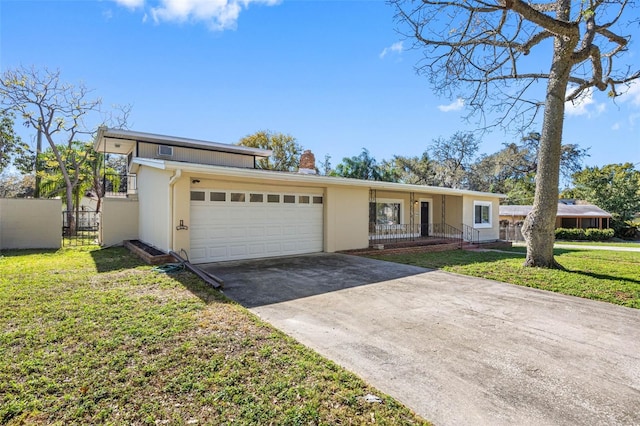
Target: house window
[[482, 214], [237, 197], [385, 213], [303, 199], [218, 196], [197, 195], [290, 199], [317, 200], [273, 198], [589, 222], [256, 198], [165, 150], [569, 222]]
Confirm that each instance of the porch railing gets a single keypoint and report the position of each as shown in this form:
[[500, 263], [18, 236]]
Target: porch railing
[[118, 184], [470, 234], [393, 233]]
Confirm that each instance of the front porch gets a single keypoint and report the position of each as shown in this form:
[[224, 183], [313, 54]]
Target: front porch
[[408, 218]]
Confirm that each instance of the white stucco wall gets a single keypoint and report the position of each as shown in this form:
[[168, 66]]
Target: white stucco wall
[[154, 211], [30, 223], [119, 221]]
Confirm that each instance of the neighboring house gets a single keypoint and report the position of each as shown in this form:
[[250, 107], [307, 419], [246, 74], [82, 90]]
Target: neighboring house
[[569, 216], [209, 201]]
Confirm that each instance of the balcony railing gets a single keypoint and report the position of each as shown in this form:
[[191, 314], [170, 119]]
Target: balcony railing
[[118, 185], [393, 233]]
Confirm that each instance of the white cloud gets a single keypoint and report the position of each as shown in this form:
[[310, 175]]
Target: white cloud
[[217, 14], [131, 4], [633, 94], [616, 126], [584, 105], [394, 48], [456, 105]]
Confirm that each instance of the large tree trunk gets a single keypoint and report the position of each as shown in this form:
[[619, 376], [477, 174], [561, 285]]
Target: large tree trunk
[[539, 225]]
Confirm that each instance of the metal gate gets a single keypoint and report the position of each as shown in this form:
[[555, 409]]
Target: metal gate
[[80, 228]]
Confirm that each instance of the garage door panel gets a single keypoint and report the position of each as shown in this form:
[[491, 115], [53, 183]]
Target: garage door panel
[[237, 232], [274, 230], [243, 230]]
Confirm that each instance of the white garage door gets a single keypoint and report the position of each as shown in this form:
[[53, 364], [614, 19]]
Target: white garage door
[[232, 224]]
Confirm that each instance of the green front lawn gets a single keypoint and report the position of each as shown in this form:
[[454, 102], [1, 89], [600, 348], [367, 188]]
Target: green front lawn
[[600, 243], [601, 275], [93, 336]]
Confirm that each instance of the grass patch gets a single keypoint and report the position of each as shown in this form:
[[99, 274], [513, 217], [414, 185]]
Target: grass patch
[[599, 243], [593, 274], [93, 336]]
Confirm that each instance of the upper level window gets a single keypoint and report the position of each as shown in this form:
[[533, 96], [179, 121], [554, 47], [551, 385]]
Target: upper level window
[[165, 150], [482, 214]]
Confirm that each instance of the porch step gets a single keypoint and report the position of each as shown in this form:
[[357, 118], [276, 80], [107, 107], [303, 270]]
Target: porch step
[[434, 245]]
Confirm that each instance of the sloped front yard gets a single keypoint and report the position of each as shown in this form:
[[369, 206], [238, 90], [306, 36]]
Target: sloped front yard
[[92, 337]]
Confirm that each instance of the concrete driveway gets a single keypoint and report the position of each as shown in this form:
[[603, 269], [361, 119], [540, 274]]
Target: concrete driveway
[[457, 350]]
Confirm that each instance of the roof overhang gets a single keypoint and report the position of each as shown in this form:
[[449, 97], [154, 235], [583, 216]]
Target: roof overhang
[[292, 178], [564, 210], [119, 141]]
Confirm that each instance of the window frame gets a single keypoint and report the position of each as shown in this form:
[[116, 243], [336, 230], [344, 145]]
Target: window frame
[[398, 201], [482, 204]]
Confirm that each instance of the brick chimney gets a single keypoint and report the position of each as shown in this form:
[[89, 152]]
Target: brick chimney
[[307, 163]]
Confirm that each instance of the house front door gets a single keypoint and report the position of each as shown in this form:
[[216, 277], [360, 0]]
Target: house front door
[[424, 219]]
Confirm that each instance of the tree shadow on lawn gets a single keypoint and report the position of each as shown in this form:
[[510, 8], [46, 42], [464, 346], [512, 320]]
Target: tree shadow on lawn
[[25, 252], [466, 258], [602, 276]]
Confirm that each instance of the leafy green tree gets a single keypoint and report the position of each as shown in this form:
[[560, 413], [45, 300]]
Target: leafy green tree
[[478, 51], [89, 169], [416, 170], [453, 158], [365, 167], [614, 188], [13, 185], [285, 150], [512, 170], [11, 146], [57, 110]]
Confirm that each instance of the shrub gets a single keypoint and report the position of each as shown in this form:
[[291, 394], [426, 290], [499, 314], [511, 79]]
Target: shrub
[[594, 234], [591, 234], [570, 234], [626, 230]]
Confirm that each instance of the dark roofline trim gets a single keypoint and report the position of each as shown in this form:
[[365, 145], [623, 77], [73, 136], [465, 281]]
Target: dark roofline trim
[[196, 148], [135, 136]]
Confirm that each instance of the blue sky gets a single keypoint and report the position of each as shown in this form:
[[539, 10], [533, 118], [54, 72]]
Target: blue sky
[[334, 74]]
